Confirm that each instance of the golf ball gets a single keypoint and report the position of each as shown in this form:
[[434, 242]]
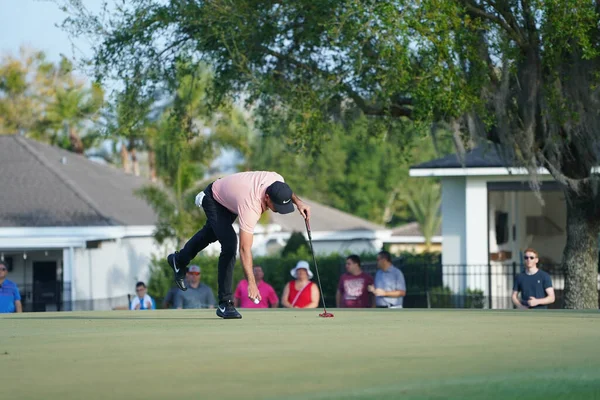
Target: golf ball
[[256, 301]]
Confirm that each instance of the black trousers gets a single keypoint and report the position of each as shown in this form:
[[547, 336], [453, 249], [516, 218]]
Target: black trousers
[[219, 226]]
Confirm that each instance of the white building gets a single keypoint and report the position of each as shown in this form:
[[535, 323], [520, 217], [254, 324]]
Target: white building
[[490, 216], [72, 231]]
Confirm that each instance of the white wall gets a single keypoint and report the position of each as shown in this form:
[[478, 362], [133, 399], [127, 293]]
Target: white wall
[[109, 273]]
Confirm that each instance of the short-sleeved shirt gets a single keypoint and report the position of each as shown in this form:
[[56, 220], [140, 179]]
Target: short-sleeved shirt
[[200, 297], [390, 280], [169, 299], [143, 303], [9, 293], [532, 286], [243, 194], [267, 295], [353, 290]]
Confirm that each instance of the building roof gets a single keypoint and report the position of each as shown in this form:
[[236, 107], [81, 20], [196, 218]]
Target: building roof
[[45, 186], [323, 218], [488, 155], [411, 229], [479, 157]]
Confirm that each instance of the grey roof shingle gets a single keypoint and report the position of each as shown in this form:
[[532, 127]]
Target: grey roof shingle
[[45, 186], [479, 157], [323, 218], [410, 229], [485, 156]]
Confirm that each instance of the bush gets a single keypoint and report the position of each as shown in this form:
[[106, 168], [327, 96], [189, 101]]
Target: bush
[[474, 298], [441, 297]]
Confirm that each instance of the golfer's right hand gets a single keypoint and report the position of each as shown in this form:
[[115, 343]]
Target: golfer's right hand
[[253, 292]]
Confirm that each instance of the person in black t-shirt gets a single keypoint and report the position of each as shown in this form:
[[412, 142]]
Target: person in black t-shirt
[[534, 285]]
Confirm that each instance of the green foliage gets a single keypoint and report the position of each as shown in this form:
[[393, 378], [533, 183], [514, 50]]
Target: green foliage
[[295, 243], [362, 168], [444, 297], [47, 102]]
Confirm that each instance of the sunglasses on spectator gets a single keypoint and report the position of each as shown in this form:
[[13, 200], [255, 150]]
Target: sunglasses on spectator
[[140, 289], [529, 258], [194, 273], [3, 269]]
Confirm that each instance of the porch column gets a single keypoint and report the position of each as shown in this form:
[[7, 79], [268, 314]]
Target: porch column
[[68, 280], [477, 257], [453, 231]]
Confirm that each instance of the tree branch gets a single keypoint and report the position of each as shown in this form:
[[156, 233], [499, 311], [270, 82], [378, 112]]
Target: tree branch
[[398, 107], [475, 11]]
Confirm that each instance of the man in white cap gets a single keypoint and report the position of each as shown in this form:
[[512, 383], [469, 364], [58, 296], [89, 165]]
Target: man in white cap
[[244, 196]]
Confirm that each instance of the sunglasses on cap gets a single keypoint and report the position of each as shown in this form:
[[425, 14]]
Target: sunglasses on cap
[[194, 273]]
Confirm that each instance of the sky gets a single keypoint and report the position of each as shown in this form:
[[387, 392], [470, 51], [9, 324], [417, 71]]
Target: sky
[[32, 23]]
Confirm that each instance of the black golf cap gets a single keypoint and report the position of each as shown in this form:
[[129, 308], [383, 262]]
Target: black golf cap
[[281, 195]]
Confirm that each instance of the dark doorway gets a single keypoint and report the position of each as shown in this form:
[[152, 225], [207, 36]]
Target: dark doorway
[[47, 291]]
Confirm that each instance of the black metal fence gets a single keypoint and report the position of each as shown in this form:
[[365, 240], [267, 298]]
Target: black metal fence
[[429, 285], [56, 296], [467, 286]]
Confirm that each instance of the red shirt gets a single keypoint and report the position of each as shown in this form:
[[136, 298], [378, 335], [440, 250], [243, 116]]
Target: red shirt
[[305, 297], [353, 290], [267, 295]]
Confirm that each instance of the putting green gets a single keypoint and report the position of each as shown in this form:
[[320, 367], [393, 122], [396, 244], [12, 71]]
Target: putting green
[[294, 354]]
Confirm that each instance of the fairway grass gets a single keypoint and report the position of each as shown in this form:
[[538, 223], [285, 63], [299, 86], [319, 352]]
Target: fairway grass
[[294, 354]]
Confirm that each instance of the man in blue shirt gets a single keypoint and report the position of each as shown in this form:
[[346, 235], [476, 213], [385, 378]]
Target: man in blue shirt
[[390, 286], [10, 298], [534, 284]]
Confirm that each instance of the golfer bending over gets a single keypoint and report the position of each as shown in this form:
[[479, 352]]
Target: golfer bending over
[[245, 195]]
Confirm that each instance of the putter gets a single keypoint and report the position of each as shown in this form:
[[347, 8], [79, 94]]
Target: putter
[[324, 314]]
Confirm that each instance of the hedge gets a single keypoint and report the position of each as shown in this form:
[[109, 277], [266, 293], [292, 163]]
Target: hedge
[[277, 271]]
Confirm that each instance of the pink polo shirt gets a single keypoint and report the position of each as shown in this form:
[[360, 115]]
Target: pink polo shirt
[[243, 194], [267, 295]]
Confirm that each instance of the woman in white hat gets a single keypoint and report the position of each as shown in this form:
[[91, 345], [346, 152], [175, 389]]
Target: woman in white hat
[[301, 292]]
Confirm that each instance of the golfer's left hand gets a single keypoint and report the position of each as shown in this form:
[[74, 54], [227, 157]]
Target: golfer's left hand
[[304, 210]]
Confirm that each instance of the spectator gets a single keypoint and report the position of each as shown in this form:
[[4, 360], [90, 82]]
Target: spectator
[[534, 285], [301, 292], [390, 286], [197, 295], [267, 293], [353, 286], [10, 298], [142, 301], [169, 300]]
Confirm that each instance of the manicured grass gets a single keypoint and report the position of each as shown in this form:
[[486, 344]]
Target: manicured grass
[[294, 354]]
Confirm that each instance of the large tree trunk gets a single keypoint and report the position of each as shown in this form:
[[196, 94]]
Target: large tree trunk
[[580, 256], [125, 159], [135, 162], [152, 165], [76, 142]]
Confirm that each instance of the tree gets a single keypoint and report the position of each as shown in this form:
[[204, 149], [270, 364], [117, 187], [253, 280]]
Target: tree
[[186, 139], [521, 73], [69, 108], [46, 101], [21, 79]]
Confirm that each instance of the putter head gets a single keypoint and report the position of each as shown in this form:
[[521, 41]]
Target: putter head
[[326, 315]]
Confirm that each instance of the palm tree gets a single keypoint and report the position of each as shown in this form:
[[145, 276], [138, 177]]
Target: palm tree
[[424, 201]]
